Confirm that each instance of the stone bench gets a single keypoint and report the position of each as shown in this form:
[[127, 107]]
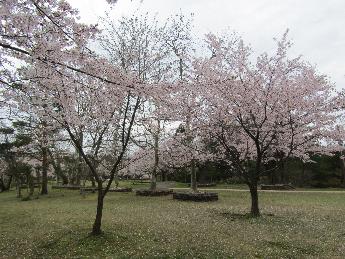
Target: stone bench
[[121, 189], [158, 192]]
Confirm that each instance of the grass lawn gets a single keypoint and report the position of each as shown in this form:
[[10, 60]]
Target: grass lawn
[[293, 225]]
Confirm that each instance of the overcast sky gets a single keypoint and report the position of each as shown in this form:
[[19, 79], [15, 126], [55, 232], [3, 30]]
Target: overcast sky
[[317, 27]]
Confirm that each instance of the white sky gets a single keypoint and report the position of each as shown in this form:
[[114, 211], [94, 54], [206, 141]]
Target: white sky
[[317, 27]]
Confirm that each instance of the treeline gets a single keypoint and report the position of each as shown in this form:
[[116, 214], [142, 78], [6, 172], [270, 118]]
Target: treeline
[[324, 171]]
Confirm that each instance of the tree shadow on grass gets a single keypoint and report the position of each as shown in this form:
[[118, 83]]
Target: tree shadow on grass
[[57, 238], [79, 242]]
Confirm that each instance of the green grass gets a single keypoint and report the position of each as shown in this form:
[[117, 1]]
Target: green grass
[[293, 225]]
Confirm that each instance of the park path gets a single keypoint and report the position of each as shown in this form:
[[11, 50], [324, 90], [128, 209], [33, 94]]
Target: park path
[[245, 190]]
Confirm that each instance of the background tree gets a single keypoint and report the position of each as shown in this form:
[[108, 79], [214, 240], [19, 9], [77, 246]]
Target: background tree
[[149, 50]]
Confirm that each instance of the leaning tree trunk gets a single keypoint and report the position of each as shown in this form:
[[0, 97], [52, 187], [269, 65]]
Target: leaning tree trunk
[[254, 210], [45, 165], [96, 229], [80, 159], [193, 180]]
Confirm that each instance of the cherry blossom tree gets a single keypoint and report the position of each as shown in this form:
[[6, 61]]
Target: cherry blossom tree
[[183, 103], [45, 56], [256, 109], [154, 53], [136, 44], [186, 148], [175, 151]]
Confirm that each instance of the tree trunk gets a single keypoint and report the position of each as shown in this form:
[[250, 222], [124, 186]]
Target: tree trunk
[[116, 180], [254, 211], [38, 174], [2, 185], [155, 166], [64, 179], [44, 189], [153, 184], [193, 180], [343, 171], [30, 182], [80, 159], [303, 175], [19, 188], [79, 170], [59, 173], [96, 230], [273, 173], [57, 168], [282, 173], [164, 176], [343, 176], [93, 182]]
